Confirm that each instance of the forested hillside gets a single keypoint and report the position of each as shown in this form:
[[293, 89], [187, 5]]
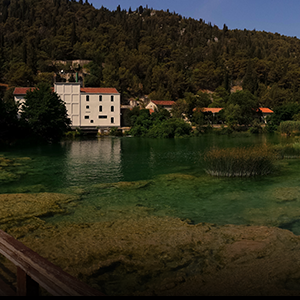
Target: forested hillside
[[144, 51]]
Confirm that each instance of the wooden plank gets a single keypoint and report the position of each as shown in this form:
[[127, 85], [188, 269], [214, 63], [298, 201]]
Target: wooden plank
[[26, 286], [50, 277], [6, 290]]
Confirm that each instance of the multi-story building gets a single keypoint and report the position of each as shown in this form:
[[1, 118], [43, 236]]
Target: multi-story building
[[86, 107]]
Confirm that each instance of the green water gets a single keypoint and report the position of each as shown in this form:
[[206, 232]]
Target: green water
[[166, 177]]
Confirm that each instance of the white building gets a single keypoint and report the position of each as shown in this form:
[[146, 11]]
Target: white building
[[86, 107], [154, 104]]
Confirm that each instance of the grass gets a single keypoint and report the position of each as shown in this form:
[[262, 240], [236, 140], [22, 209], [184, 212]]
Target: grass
[[240, 162]]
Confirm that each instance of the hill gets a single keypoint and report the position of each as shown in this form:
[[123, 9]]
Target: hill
[[144, 51]]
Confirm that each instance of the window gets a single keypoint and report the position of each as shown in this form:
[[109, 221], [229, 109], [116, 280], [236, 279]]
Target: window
[[87, 107], [112, 120], [87, 98], [111, 108], [100, 98], [102, 117], [92, 121], [86, 117], [112, 98], [100, 108]]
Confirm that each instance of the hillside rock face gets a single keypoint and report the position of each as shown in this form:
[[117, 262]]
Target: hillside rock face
[[167, 256]]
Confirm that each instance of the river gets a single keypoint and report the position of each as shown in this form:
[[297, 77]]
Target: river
[[166, 176]]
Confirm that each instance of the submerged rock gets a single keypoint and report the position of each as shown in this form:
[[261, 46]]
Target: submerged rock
[[168, 256], [18, 207], [131, 185], [11, 169], [178, 176], [288, 194]]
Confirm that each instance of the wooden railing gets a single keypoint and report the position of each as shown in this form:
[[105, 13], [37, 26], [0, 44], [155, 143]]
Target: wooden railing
[[34, 271]]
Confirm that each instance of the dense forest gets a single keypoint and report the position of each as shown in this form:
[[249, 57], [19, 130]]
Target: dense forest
[[144, 51]]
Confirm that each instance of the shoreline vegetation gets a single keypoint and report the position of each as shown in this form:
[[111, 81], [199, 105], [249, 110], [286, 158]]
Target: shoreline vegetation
[[240, 162]]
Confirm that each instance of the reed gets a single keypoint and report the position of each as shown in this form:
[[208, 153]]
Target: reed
[[289, 151], [240, 162]]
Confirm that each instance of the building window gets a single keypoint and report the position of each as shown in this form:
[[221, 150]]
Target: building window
[[100, 98], [112, 98], [111, 108], [87, 98], [87, 107], [86, 117], [92, 121], [102, 117], [100, 108], [112, 120]]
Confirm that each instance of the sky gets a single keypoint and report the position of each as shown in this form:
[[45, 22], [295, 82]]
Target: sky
[[273, 16]]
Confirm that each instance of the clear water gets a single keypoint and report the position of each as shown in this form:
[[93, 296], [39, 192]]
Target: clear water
[[167, 177]]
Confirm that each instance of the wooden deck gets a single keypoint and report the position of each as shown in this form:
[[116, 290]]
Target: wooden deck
[[34, 271]]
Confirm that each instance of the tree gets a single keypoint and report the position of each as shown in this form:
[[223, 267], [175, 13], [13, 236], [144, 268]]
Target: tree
[[250, 79], [45, 113], [179, 109], [9, 123], [242, 109], [20, 75]]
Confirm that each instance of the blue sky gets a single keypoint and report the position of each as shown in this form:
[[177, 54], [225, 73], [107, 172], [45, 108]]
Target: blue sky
[[268, 15]]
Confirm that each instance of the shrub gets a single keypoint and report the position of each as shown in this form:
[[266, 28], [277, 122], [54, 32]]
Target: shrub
[[240, 162], [170, 128], [288, 151], [114, 131], [290, 127]]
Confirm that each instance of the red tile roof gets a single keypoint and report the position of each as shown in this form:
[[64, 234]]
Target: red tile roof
[[266, 110], [213, 110], [99, 90], [208, 109], [23, 90], [216, 110], [163, 103]]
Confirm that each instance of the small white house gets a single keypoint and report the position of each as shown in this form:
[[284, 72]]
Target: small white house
[[86, 107], [154, 104]]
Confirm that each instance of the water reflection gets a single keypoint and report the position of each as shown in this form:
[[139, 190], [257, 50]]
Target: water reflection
[[94, 161]]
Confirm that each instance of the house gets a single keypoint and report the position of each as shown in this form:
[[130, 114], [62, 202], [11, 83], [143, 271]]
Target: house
[[265, 113], [154, 104], [86, 107]]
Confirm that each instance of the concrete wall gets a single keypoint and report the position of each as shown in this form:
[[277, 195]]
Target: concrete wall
[[70, 94], [90, 109], [104, 113]]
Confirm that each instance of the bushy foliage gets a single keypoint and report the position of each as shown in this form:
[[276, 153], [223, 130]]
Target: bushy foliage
[[157, 125], [242, 109], [240, 162], [290, 127], [9, 123], [287, 112], [45, 114], [170, 128]]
